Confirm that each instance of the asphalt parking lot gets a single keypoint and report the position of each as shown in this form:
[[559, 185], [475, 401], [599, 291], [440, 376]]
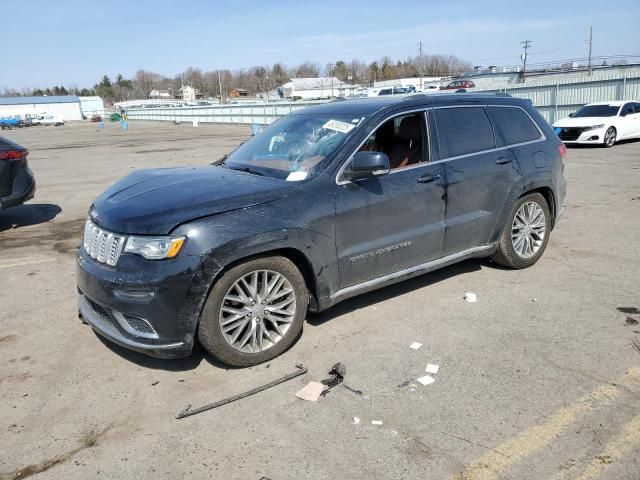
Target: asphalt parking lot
[[540, 379]]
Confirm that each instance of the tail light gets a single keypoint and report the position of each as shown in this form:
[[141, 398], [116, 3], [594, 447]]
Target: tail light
[[562, 150], [13, 154]]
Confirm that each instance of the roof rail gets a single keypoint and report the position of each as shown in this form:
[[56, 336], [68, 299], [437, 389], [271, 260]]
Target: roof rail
[[502, 94]]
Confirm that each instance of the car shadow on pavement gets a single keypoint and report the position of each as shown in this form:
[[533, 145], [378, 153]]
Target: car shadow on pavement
[[401, 288], [28, 214], [170, 365]]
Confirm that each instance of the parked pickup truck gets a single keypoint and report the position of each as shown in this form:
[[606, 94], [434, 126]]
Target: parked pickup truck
[[9, 122]]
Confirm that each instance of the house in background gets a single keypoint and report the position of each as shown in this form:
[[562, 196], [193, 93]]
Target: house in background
[[238, 92], [189, 94]]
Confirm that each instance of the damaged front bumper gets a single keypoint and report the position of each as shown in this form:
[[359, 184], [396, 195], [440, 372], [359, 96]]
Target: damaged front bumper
[[141, 305]]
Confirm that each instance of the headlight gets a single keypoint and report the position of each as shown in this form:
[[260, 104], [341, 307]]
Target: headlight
[[594, 127], [154, 248]]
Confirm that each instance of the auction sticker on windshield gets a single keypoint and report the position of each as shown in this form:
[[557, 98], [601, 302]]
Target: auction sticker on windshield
[[338, 126]]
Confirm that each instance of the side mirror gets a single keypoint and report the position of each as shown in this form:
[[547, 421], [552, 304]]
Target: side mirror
[[571, 114], [623, 114], [367, 165]]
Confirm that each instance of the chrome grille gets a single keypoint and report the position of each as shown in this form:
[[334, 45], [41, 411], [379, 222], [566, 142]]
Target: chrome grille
[[102, 245]]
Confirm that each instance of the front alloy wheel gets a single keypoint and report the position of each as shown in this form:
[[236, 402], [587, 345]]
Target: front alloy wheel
[[254, 312], [257, 311], [610, 137]]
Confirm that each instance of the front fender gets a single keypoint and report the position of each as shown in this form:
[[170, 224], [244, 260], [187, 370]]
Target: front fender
[[226, 239]]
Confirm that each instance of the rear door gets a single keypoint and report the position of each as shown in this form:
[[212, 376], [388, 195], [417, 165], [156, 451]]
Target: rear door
[[479, 176], [389, 223]]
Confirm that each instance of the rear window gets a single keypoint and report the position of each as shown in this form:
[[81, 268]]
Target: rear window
[[463, 130], [512, 126]]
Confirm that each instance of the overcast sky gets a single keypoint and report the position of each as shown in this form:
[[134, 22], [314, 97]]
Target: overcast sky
[[75, 42]]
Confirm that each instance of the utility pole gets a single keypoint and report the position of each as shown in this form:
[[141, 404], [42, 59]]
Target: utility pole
[[525, 45], [590, 40], [220, 85], [420, 63]]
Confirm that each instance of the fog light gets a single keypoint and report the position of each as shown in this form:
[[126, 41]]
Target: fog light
[[594, 137], [134, 295]]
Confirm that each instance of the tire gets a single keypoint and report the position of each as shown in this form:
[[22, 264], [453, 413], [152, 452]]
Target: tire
[[248, 318], [512, 252], [610, 137]]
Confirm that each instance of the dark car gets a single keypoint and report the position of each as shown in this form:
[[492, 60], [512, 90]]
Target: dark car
[[458, 85], [17, 184], [324, 204]]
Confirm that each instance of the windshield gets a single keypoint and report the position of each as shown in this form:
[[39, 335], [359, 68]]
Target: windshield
[[597, 111], [294, 148]]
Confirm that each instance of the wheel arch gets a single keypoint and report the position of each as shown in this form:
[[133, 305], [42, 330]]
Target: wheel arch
[[549, 196]]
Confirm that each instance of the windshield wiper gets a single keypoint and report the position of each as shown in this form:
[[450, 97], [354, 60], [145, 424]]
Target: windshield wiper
[[246, 169]]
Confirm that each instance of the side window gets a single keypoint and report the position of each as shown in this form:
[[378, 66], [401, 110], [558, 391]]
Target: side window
[[402, 139], [463, 130], [512, 126], [627, 109], [636, 107]]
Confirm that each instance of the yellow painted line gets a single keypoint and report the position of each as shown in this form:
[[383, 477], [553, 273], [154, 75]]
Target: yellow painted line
[[25, 261], [491, 465], [615, 450]]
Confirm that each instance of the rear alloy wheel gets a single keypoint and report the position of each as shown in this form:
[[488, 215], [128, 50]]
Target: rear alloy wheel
[[254, 312], [525, 237], [610, 137]]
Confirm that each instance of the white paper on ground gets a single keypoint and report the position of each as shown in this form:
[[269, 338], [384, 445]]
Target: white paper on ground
[[376, 422], [311, 391], [426, 380], [432, 368], [470, 297], [415, 345], [296, 176]]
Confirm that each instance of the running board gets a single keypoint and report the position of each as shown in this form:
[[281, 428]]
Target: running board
[[413, 271]]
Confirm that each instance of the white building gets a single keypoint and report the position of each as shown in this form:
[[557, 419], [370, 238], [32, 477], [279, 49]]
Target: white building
[[68, 106], [91, 106], [160, 94], [407, 82], [316, 88]]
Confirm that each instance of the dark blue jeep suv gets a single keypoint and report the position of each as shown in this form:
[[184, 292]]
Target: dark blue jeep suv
[[324, 204]]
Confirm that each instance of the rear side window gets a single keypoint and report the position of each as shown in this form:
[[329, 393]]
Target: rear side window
[[463, 130], [512, 126]]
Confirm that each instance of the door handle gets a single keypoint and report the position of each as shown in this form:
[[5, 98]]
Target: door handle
[[428, 178], [504, 160]]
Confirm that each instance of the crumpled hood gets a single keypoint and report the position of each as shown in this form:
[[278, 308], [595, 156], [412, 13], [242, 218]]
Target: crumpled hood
[[154, 202], [580, 122]]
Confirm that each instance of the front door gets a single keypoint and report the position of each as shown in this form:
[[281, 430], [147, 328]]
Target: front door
[[393, 222]]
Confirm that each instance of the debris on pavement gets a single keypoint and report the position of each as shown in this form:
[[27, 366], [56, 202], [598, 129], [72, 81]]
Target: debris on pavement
[[338, 372], [355, 421], [426, 380], [187, 411], [311, 391], [415, 345], [376, 422], [470, 297], [432, 368], [153, 384]]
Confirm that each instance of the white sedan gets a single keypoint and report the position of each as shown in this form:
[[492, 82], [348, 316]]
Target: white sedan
[[600, 123]]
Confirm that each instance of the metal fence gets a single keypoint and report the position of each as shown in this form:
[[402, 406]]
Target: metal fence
[[261, 113], [554, 100]]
